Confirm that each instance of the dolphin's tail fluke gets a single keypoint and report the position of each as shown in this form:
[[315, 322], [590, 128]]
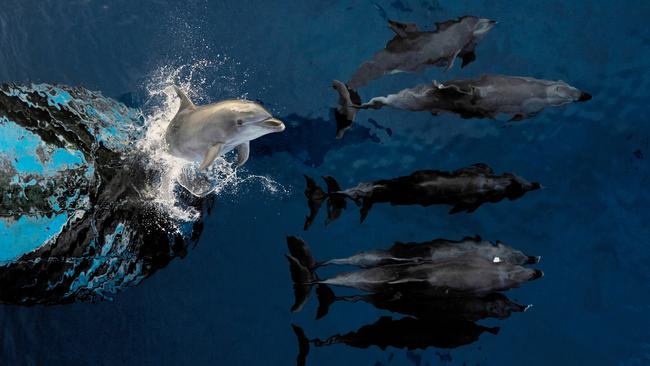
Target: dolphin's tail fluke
[[316, 196], [303, 279], [302, 265], [303, 345], [326, 297], [336, 200], [299, 250], [347, 107]]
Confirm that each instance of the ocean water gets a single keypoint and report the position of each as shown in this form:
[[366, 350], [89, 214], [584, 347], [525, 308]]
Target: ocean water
[[227, 302]]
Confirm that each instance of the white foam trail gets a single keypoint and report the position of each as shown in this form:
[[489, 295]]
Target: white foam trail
[[161, 107]]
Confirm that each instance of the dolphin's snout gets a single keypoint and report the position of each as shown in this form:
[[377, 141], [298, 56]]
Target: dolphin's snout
[[536, 274], [584, 97], [275, 124]]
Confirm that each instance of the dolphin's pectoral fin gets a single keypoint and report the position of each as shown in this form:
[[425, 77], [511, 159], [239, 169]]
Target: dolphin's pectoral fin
[[243, 151], [212, 154], [468, 58], [517, 118], [464, 207], [450, 60]]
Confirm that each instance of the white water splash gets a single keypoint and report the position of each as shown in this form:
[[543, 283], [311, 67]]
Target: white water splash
[[159, 110]]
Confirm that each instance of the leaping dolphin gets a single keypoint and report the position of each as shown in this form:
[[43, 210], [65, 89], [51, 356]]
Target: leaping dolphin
[[202, 133]]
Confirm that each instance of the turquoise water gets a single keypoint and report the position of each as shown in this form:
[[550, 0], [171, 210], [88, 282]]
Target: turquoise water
[[228, 301]]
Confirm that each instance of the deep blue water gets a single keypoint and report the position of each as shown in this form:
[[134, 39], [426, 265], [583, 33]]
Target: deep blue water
[[228, 301]]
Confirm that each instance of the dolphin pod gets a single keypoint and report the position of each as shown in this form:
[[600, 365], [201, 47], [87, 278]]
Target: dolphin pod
[[452, 274], [441, 287], [465, 189], [486, 97], [202, 133], [412, 50], [440, 296]]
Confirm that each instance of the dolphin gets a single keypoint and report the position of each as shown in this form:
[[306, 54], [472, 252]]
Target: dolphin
[[404, 333], [456, 277], [465, 275], [431, 251], [466, 189], [487, 97], [473, 308], [413, 50], [202, 133]]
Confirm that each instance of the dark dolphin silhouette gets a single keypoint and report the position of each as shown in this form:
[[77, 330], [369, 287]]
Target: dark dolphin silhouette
[[465, 189]]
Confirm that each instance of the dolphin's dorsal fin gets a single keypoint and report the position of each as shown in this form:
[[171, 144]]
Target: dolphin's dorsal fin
[[441, 26], [403, 29], [186, 103]]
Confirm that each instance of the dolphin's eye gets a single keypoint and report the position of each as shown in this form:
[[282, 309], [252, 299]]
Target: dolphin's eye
[[240, 122]]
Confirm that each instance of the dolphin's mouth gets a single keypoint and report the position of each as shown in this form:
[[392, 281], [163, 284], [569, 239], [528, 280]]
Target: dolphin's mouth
[[273, 123], [584, 97]]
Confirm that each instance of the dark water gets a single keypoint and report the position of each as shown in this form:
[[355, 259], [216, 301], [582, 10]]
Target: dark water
[[228, 301]]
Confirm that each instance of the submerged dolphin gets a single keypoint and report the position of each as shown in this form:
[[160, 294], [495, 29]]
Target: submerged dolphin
[[465, 189], [431, 251], [465, 275], [495, 305], [404, 333], [486, 97], [412, 50], [202, 133]]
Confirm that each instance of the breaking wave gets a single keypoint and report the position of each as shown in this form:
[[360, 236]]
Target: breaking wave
[[84, 214]]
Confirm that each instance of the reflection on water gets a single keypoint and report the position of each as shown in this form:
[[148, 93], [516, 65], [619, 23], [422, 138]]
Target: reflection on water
[[442, 287], [407, 333]]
